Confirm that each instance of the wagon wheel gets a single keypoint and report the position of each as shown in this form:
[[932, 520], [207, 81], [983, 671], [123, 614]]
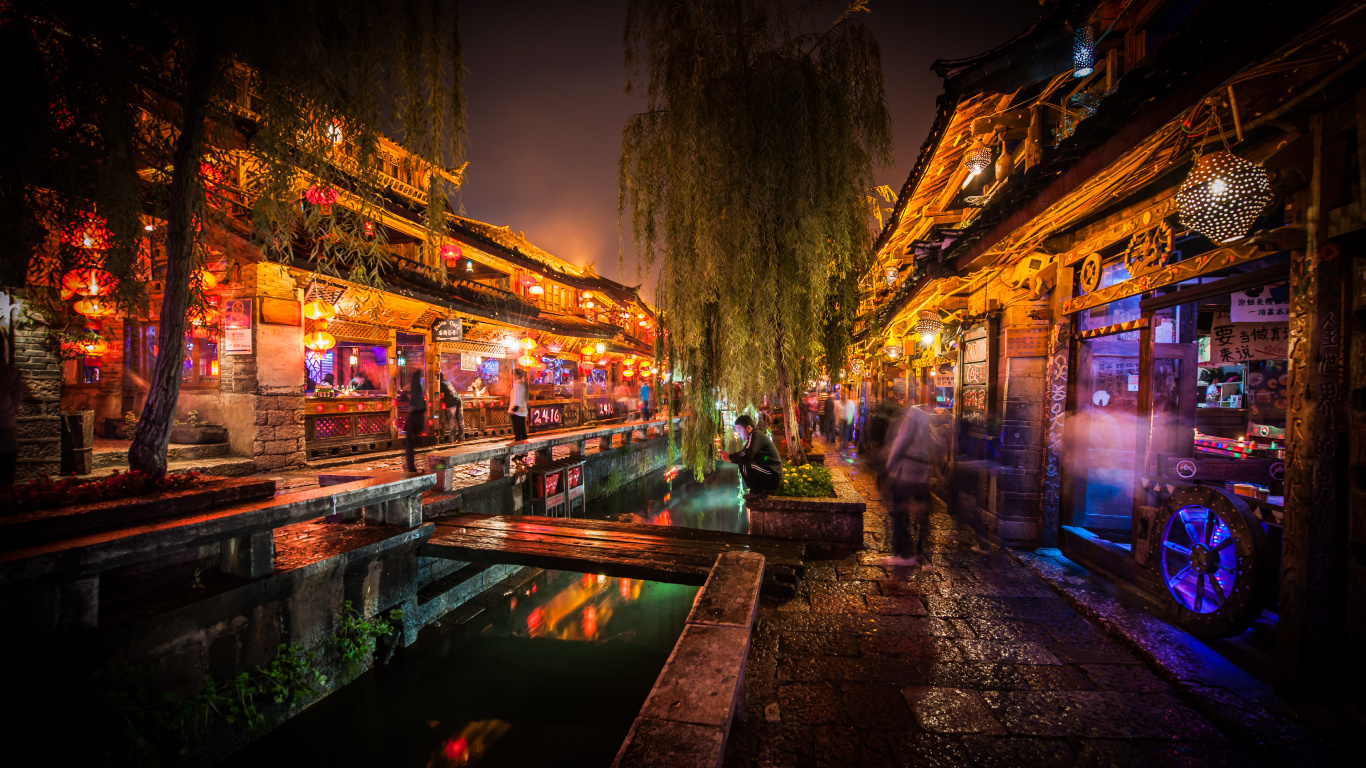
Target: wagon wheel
[[1090, 273], [1215, 561]]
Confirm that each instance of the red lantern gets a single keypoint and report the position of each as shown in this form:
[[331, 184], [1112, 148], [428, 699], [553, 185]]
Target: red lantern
[[451, 253], [87, 231], [323, 197], [87, 283], [95, 347], [369, 229], [93, 308]]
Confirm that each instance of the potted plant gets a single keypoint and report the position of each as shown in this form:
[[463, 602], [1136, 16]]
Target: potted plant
[[193, 431]]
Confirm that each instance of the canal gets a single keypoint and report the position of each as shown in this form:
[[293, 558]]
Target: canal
[[553, 673]]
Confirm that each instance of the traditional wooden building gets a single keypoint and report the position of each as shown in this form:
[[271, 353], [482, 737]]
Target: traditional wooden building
[[1134, 237]]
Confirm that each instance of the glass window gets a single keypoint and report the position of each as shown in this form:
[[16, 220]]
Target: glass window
[[1101, 467]]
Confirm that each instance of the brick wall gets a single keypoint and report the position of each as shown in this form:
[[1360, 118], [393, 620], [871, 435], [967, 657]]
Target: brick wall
[[36, 355]]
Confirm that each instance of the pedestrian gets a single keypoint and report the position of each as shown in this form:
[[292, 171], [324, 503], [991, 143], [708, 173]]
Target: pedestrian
[[828, 417], [644, 400], [677, 401], [908, 473], [850, 418], [415, 426], [455, 410], [517, 408], [760, 465], [11, 392]]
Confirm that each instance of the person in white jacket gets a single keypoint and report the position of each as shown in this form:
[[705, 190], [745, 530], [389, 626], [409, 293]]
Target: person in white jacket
[[908, 473]]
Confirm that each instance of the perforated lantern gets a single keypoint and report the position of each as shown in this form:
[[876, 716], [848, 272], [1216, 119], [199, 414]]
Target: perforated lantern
[[1083, 52], [319, 310], [93, 308], [1223, 195], [320, 341], [892, 351], [87, 283], [929, 325], [977, 159]]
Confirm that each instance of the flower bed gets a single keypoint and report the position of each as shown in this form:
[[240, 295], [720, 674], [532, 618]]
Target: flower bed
[[806, 482], [46, 493]]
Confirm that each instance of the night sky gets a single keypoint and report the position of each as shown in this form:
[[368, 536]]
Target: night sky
[[545, 84]]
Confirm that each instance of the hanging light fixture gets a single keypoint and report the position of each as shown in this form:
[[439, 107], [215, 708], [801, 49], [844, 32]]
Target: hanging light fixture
[[351, 359], [526, 361], [856, 366], [1223, 195], [323, 197], [976, 160], [1083, 52], [87, 283], [535, 289], [402, 358], [929, 325], [319, 310], [893, 351], [207, 279], [93, 308], [320, 341], [88, 231], [528, 343], [469, 265], [93, 347], [890, 275], [600, 347], [451, 254]]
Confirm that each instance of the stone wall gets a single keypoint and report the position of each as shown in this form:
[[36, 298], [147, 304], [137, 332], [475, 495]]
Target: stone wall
[[36, 355]]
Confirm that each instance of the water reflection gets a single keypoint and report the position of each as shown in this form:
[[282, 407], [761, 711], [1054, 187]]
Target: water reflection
[[673, 497]]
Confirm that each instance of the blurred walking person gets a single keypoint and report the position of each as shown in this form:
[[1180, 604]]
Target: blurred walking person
[[416, 424], [908, 473], [455, 409], [517, 408], [848, 418]]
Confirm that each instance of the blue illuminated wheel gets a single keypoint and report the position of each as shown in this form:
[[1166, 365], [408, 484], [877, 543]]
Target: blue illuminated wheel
[[1214, 561]]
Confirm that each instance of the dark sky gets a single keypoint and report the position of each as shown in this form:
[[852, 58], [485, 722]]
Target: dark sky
[[546, 107]]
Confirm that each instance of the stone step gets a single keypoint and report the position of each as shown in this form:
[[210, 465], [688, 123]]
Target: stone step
[[221, 466], [105, 458]]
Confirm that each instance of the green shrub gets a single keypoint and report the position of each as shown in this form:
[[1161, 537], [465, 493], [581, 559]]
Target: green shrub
[[806, 481]]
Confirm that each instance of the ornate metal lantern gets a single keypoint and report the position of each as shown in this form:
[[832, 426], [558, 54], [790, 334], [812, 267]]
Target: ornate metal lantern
[[929, 325], [977, 159], [893, 351], [1083, 52], [1223, 196], [890, 275]]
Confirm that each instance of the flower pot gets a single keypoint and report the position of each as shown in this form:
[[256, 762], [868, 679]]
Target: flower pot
[[199, 435]]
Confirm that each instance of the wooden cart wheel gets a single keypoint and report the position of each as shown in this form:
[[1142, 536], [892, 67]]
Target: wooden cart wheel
[[1214, 561], [1090, 273]]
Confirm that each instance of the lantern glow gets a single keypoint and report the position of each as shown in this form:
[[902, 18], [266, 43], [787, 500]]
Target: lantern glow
[[319, 310], [93, 308], [1223, 195], [890, 275], [929, 325], [600, 347], [87, 283], [319, 341], [976, 160]]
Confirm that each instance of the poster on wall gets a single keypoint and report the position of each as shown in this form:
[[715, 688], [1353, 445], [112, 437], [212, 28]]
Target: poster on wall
[[1266, 303], [469, 361], [1027, 341], [1232, 342], [237, 327]]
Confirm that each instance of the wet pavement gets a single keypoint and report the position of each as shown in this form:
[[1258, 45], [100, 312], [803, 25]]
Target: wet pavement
[[977, 662]]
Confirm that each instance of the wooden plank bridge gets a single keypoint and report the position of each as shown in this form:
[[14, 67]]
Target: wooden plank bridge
[[626, 550]]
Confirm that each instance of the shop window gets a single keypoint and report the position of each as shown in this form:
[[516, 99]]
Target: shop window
[[199, 369], [1116, 312]]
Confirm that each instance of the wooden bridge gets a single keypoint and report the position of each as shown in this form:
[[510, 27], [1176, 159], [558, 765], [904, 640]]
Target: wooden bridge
[[627, 550]]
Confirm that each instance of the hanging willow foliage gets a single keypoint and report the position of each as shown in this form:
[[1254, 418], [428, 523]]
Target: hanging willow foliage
[[747, 179], [133, 109]]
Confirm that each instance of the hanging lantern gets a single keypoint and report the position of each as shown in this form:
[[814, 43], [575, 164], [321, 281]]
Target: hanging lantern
[[977, 159], [93, 308], [526, 280], [1223, 195], [323, 197], [526, 361], [333, 132], [535, 289], [87, 283], [528, 343], [469, 265], [319, 310], [369, 227], [856, 366], [451, 253], [1083, 52], [351, 359], [588, 304], [92, 347], [87, 231], [890, 275], [402, 358], [627, 373], [587, 351], [207, 280], [201, 317], [929, 325], [892, 351], [642, 322], [600, 347], [213, 367], [319, 341]]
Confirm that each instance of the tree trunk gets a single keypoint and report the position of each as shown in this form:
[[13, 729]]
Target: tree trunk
[[153, 435], [795, 454]]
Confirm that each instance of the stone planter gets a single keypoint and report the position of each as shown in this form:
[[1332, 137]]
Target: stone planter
[[836, 520], [202, 434]]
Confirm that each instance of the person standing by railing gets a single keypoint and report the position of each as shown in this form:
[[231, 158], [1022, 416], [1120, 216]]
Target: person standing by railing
[[416, 423], [517, 408]]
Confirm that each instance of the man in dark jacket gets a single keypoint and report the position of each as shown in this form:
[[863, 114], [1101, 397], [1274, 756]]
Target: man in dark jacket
[[759, 463]]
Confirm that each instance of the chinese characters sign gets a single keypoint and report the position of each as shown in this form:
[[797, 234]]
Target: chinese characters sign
[[1266, 304], [1232, 342]]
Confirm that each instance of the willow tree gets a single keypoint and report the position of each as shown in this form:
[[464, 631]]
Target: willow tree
[[130, 111], [747, 179]]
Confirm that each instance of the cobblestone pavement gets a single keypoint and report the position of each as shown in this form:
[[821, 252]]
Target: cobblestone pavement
[[976, 662]]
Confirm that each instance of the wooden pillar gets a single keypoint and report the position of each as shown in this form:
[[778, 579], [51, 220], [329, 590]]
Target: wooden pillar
[[1312, 625]]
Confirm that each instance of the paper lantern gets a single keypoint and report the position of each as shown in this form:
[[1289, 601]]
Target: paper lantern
[[87, 231], [929, 325], [1223, 195], [93, 308], [535, 289], [526, 361], [369, 228], [977, 159], [206, 279], [528, 343], [87, 283], [890, 275], [204, 316], [323, 197], [320, 341], [95, 347], [451, 253], [588, 304], [319, 310], [627, 373], [1083, 52]]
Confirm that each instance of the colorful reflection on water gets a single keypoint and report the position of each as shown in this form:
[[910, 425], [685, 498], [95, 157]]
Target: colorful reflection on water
[[553, 673]]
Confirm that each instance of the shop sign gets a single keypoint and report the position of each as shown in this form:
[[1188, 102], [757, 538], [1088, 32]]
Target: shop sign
[[1238, 342], [1027, 341], [281, 311], [451, 329], [975, 373], [545, 416], [237, 327], [1269, 303], [975, 399], [928, 359], [1261, 470], [975, 350]]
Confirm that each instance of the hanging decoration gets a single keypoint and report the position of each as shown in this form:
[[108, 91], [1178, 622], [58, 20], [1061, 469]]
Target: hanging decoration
[[892, 351], [320, 341], [929, 325], [890, 275], [526, 361], [87, 283], [528, 343], [207, 316], [93, 347], [856, 366], [401, 358], [207, 280], [451, 254], [1223, 195], [369, 227], [93, 308], [1083, 52], [535, 288], [87, 231], [600, 347], [977, 159], [469, 265], [587, 351], [319, 310], [323, 197], [554, 347], [352, 359]]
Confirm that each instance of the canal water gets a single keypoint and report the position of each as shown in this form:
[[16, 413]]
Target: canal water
[[552, 675]]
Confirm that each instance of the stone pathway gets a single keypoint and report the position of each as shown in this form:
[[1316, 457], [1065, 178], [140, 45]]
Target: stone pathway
[[977, 662]]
